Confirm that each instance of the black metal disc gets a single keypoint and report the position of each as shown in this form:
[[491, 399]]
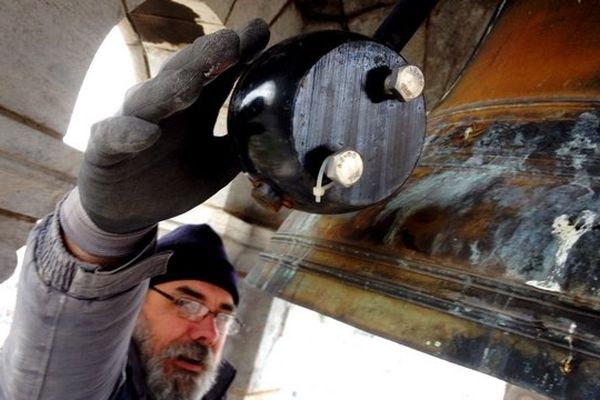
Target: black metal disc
[[314, 95]]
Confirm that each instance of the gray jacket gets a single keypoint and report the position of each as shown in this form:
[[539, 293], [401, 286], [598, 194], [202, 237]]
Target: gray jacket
[[73, 322]]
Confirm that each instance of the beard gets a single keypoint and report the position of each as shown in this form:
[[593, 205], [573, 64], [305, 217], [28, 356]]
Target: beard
[[175, 383]]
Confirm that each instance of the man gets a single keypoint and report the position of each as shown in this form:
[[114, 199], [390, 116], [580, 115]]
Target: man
[[83, 291], [185, 318]]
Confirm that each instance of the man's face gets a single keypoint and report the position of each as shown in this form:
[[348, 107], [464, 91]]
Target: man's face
[[180, 356]]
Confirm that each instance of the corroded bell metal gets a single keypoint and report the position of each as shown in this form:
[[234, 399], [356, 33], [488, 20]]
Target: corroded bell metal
[[490, 255]]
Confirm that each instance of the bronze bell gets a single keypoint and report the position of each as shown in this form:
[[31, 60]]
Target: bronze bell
[[491, 249]]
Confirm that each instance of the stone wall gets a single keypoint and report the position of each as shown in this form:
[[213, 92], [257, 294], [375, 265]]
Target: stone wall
[[47, 48]]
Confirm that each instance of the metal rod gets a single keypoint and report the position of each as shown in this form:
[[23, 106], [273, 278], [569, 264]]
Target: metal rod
[[402, 22]]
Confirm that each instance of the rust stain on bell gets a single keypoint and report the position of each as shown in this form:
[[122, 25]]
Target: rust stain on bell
[[491, 247]]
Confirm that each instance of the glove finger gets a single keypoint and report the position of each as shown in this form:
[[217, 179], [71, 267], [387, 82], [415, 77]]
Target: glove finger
[[180, 80], [159, 98], [115, 139], [254, 37]]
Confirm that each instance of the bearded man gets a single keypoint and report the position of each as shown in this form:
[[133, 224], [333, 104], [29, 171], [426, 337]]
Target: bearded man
[[103, 311], [184, 321]]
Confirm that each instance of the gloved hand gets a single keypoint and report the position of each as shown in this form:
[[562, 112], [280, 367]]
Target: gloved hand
[[158, 158]]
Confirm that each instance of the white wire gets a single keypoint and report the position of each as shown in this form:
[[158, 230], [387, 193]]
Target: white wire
[[319, 190]]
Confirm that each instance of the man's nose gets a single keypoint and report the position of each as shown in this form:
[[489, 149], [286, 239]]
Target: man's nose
[[204, 331]]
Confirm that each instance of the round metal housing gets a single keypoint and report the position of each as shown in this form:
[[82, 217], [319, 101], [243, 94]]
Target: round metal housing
[[313, 95]]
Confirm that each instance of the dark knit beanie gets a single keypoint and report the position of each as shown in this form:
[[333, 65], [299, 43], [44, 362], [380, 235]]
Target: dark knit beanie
[[198, 254]]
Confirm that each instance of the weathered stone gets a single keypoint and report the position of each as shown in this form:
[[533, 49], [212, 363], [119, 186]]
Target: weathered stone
[[221, 8], [205, 11], [313, 26], [13, 235], [244, 10], [289, 23], [51, 46], [454, 30], [331, 10], [159, 21], [415, 50], [136, 50], [221, 124], [29, 191], [133, 4], [156, 55], [22, 142]]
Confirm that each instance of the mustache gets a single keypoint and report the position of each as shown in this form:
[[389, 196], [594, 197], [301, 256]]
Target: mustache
[[194, 353]]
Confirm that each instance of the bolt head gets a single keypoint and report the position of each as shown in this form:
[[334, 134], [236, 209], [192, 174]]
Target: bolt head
[[345, 167], [405, 82]]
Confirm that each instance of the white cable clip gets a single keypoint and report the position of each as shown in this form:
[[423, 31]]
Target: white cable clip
[[344, 167]]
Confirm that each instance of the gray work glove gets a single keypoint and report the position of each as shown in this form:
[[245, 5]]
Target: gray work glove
[[158, 158]]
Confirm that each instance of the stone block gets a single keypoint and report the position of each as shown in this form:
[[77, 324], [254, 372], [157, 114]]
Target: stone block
[[156, 55], [211, 11], [313, 26], [221, 124], [29, 191], [133, 4], [289, 23], [211, 28], [13, 235], [414, 51], [22, 142], [51, 46], [159, 22], [221, 8], [205, 11], [331, 10], [454, 30], [136, 50], [244, 10]]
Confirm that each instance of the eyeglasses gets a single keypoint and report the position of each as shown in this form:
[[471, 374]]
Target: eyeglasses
[[193, 310]]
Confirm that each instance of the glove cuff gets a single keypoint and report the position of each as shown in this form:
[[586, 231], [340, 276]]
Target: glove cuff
[[83, 232]]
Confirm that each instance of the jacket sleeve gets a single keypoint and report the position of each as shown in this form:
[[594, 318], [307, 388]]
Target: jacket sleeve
[[73, 321]]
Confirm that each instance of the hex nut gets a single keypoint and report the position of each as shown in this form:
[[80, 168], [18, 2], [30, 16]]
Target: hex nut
[[405, 83], [345, 167]]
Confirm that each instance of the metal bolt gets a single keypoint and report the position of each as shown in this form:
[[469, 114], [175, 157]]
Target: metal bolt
[[405, 83], [345, 167]]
